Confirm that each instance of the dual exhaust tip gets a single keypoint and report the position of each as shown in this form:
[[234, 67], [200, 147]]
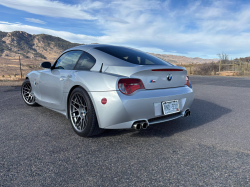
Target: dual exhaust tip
[[144, 124], [140, 125]]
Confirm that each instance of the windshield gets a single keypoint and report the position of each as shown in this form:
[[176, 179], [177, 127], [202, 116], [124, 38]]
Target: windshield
[[132, 56]]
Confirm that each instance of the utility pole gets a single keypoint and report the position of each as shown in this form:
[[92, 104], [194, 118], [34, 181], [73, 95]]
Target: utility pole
[[20, 67]]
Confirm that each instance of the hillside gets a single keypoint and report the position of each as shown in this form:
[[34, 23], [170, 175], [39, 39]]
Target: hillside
[[41, 46], [175, 59]]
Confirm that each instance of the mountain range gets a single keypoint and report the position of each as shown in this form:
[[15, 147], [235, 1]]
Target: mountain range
[[47, 47]]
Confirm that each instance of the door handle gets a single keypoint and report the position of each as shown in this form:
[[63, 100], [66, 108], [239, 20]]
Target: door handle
[[62, 78]]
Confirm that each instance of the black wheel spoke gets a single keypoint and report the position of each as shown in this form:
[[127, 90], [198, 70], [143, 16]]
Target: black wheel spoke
[[74, 112], [78, 99], [78, 119], [81, 126], [85, 121], [76, 103]]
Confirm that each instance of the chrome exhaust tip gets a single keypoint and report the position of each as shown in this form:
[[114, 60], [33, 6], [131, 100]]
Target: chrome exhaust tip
[[187, 113], [137, 126], [144, 125]]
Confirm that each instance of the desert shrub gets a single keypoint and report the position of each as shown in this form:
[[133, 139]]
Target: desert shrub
[[39, 55], [3, 34], [206, 69], [24, 55]]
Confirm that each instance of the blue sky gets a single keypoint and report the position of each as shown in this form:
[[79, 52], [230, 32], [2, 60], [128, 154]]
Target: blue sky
[[181, 27]]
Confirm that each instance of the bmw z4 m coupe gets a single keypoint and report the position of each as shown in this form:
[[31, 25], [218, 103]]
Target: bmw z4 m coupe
[[100, 87]]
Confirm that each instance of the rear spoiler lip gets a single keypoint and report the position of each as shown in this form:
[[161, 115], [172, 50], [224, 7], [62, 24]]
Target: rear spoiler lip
[[128, 71], [167, 70]]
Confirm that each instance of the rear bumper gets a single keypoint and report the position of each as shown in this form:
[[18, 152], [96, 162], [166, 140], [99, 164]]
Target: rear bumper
[[121, 111]]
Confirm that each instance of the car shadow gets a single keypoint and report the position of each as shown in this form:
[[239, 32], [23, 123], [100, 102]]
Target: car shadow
[[202, 112]]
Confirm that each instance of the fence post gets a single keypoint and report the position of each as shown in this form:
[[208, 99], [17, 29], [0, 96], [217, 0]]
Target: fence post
[[233, 65], [20, 67], [190, 69], [240, 65], [219, 65]]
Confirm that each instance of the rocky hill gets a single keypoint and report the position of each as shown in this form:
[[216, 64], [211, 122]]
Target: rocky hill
[[175, 59], [47, 47], [41, 46]]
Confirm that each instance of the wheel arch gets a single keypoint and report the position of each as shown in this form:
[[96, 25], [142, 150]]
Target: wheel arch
[[68, 96]]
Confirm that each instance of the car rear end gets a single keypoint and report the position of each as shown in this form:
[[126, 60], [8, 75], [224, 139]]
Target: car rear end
[[145, 94], [146, 97]]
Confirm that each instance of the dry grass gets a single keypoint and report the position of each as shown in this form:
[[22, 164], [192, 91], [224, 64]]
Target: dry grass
[[212, 69], [11, 83], [10, 68]]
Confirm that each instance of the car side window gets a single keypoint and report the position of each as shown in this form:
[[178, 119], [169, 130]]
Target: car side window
[[68, 60], [86, 62]]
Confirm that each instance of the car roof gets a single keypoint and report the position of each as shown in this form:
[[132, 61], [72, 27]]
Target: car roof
[[88, 46]]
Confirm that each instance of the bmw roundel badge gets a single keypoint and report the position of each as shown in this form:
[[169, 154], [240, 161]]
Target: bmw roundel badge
[[169, 77]]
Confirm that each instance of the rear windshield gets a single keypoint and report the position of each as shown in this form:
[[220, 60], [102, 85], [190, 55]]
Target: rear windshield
[[132, 56]]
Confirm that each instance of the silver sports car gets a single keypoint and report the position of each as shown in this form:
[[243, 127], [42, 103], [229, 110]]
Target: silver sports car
[[102, 87]]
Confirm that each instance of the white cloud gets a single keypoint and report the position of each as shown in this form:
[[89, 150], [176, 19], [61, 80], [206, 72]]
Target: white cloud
[[52, 8], [35, 20], [195, 30], [118, 20], [78, 38]]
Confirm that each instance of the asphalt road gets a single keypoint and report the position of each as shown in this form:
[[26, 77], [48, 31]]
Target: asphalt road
[[210, 148]]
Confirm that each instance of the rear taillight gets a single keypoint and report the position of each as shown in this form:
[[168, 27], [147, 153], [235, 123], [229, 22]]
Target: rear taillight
[[128, 86], [188, 82]]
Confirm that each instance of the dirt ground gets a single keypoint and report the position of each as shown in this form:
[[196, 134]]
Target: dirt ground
[[11, 83], [10, 67]]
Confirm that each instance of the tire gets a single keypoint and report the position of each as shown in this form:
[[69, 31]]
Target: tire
[[82, 114], [27, 94]]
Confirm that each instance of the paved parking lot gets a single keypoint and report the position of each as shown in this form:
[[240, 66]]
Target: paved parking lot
[[209, 148]]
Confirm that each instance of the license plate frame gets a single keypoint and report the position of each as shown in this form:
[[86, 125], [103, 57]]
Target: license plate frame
[[166, 105]]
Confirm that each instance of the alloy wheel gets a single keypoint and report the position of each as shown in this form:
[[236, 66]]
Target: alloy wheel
[[78, 112], [27, 93]]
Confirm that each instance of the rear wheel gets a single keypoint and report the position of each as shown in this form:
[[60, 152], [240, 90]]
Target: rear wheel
[[27, 94], [82, 114]]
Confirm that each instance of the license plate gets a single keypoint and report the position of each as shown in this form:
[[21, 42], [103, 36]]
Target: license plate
[[170, 107]]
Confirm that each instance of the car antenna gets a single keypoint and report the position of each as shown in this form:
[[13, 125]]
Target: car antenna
[[101, 68]]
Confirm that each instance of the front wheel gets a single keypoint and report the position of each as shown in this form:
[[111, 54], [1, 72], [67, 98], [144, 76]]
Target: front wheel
[[82, 114], [27, 94]]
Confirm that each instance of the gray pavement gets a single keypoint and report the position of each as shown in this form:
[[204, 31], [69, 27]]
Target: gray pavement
[[210, 148]]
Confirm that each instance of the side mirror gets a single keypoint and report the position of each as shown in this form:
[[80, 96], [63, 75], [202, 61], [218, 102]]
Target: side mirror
[[45, 65]]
